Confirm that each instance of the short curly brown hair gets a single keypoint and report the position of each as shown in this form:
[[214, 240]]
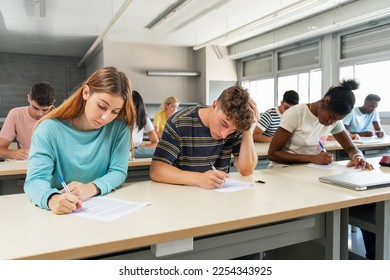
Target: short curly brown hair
[[234, 103]]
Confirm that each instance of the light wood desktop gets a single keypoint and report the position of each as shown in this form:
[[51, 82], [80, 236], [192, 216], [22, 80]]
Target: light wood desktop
[[380, 196], [215, 225], [371, 149], [13, 173]]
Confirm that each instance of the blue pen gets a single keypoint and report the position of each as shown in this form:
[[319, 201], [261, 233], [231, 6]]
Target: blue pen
[[322, 146], [63, 184]]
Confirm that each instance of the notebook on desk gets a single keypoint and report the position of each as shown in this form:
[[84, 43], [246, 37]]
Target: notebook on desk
[[358, 181]]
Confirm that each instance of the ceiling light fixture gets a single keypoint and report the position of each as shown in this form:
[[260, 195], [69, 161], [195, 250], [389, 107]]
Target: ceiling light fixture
[[285, 15], [167, 14], [159, 73], [37, 4]]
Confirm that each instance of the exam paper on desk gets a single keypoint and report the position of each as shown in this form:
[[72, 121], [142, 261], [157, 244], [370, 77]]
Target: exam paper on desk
[[107, 209], [232, 185], [335, 167]]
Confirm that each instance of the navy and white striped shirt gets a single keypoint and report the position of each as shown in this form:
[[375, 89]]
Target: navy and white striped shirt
[[269, 121], [187, 144]]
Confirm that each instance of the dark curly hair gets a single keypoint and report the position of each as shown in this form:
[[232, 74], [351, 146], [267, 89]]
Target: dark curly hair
[[342, 99], [43, 93], [234, 103]]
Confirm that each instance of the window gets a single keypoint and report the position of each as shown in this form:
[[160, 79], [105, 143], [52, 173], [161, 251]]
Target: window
[[301, 56], [373, 78], [307, 84], [365, 42], [256, 66], [262, 91]]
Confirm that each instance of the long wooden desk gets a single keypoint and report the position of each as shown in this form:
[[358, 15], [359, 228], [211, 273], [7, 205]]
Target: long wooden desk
[[379, 196], [215, 225], [370, 149], [13, 173]]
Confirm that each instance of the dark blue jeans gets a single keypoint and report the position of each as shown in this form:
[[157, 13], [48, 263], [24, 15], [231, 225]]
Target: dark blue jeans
[[369, 243]]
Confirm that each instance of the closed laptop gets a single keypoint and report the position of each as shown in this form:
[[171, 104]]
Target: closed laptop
[[358, 181]]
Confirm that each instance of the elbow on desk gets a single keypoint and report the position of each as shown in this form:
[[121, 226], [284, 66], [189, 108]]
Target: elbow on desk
[[246, 172], [271, 156], [155, 172]]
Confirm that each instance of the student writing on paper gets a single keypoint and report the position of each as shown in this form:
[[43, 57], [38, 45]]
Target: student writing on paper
[[197, 136], [20, 121], [86, 140], [360, 119], [301, 127], [142, 125]]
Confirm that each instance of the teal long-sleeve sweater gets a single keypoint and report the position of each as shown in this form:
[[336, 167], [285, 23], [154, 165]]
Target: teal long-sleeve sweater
[[99, 156]]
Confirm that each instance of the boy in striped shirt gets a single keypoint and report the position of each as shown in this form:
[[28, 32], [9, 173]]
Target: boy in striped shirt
[[199, 137]]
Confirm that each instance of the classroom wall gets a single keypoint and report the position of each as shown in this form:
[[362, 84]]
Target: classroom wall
[[95, 60], [18, 72], [220, 74], [136, 59]]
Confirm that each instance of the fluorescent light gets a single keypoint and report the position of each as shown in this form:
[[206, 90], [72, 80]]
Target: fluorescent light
[[37, 8], [168, 13], [173, 73], [284, 16]]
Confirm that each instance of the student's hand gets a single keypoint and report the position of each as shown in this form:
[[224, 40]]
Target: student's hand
[[361, 163], [355, 136], [366, 134], [64, 203], [83, 191], [323, 158], [379, 133], [256, 114], [21, 154], [212, 179]]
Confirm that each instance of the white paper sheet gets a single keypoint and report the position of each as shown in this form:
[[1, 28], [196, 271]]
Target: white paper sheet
[[107, 209], [335, 167], [232, 185], [368, 140]]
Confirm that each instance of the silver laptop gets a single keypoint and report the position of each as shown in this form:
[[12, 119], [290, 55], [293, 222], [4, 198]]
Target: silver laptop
[[358, 181]]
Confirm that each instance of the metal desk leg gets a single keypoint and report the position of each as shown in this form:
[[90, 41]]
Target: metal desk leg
[[332, 246], [344, 234], [382, 246]]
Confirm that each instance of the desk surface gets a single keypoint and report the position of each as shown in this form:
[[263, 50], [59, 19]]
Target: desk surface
[[384, 142], [262, 148], [13, 167], [310, 175], [176, 212]]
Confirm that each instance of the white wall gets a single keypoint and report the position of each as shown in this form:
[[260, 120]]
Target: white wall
[[136, 59]]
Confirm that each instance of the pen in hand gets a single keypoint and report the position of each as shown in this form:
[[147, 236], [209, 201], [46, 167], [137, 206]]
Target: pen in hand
[[322, 146], [212, 166], [63, 184]]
